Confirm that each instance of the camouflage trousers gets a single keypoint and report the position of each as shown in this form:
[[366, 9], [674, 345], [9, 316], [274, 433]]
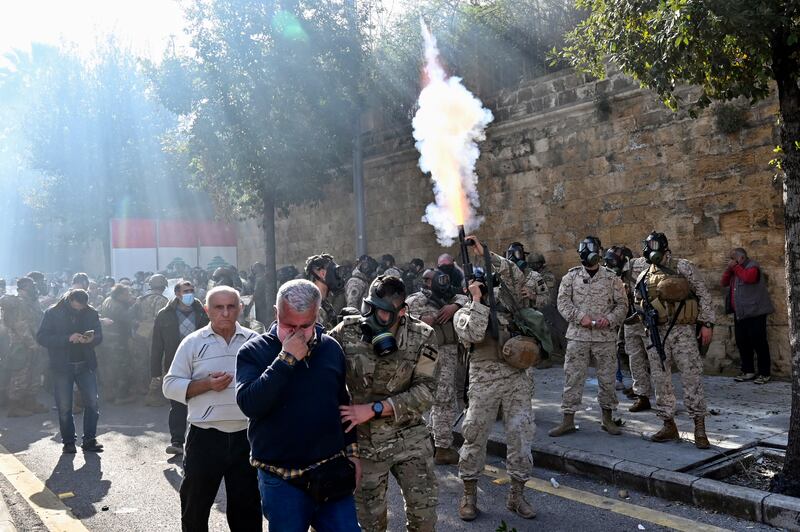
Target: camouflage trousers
[[412, 468], [495, 384], [635, 338], [576, 363], [117, 371], [680, 348], [22, 365], [443, 412]]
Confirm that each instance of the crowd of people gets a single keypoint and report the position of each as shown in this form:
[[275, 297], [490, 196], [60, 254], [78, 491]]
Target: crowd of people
[[391, 354]]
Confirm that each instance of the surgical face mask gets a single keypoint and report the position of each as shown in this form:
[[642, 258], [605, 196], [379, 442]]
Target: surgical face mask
[[187, 299]]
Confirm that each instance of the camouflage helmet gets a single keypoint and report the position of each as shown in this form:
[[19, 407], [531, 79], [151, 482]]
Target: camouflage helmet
[[522, 352], [536, 260], [157, 281]]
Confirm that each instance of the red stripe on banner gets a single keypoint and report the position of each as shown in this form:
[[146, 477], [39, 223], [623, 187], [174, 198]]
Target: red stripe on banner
[[216, 234], [177, 234], [133, 233]]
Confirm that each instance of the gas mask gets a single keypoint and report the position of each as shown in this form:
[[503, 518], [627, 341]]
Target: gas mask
[[614, 262], [655, 247], [367, 265], [332, 278], [375, 330], [516, 254], [440, 285], [590, 251]]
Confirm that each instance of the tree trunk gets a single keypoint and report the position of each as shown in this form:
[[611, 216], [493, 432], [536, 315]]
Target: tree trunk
[[268, 224], [788, 481], [106, 239]]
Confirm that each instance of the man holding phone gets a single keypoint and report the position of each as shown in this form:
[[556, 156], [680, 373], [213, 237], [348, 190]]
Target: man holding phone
[[201, 376]]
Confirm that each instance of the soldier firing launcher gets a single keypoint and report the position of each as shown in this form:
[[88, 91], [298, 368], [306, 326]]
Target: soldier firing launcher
[[487, 279]]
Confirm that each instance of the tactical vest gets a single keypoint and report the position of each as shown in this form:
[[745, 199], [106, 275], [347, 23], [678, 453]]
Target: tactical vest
[[668, 306]]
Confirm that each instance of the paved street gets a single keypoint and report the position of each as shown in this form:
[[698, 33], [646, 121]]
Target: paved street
[[133, 486]]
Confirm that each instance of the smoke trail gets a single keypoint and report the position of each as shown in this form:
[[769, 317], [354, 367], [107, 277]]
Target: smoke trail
[[447, 127]]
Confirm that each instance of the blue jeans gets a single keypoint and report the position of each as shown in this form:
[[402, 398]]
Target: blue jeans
[[289, 509], [63, 380]]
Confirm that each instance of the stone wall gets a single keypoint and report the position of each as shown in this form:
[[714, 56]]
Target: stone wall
[[569, 156]]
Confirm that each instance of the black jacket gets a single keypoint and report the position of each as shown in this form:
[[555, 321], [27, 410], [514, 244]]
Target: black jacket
[[167, 338], [59, 323]]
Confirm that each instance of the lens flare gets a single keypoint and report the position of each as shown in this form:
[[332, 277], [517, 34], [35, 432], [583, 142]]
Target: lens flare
[[448, 125]]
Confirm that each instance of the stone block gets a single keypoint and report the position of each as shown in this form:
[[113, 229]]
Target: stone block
[[549, 456], [672, 485], [728, 498], [781, 511], [595, 465], [633, 475]]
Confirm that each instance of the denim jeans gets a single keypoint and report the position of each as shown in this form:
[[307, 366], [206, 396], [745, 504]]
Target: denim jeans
[[289, 509], [63, 381]]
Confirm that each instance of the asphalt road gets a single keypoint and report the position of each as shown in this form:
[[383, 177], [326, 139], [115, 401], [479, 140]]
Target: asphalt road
[[133, 485]]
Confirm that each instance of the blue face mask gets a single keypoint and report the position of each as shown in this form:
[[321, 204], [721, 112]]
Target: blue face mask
[[187, 299]]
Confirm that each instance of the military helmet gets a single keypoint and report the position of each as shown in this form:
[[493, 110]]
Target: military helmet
[[522, 352], [157, 281], [536, 260]]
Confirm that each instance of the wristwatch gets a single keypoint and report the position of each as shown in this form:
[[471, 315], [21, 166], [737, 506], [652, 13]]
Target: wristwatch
[[377, 408], [288, 358], [708, 324]]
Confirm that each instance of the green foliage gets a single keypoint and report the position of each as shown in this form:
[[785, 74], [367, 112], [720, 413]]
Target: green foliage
[[504, 527], [267, 98], [725, 47], [729, 119]]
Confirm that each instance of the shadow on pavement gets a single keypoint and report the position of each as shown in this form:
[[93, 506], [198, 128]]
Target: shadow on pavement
[[87, 480]]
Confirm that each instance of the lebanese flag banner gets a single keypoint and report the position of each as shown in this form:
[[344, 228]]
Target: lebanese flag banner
[[216, 239], [177, 239], [133, 246]]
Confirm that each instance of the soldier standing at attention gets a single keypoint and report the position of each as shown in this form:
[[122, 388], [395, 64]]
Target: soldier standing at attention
[[436, 307], [592, 300], [679, 295], [391, 374], [495, 380]]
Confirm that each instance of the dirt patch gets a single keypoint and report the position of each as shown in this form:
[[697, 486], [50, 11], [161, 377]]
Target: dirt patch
[[757, 474]]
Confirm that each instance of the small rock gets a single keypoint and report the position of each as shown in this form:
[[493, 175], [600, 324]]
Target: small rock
[[623, 494]]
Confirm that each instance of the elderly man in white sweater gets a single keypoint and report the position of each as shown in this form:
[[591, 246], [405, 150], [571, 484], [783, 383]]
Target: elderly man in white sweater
[[201, 375]]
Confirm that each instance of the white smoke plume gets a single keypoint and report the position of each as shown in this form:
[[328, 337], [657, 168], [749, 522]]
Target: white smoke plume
[[448, 125]]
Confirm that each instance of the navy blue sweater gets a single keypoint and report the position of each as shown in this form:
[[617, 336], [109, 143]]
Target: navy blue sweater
[[293, 411]]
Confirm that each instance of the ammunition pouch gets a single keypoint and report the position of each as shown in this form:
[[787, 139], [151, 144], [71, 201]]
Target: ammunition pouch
[[666, 311]]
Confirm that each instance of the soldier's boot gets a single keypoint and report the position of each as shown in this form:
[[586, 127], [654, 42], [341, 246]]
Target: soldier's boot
[[609, 425], [516, 500], [154, 395], [468, 507], [445, 456], [641, 404], [700, 438], [567, 426], [17, 408], [669, 432]]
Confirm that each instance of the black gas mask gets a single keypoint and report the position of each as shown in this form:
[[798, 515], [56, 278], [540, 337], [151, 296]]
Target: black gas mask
[[516, 254], [375, 330], [613, 261], [332, 279], [655, 247], [367, 265], [590, 251], [441, 286]]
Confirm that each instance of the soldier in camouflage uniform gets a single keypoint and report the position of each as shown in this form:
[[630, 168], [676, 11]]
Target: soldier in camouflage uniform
[[145, 310], [388, 266], [436, 305], [635, 338], [391, 375], [323, 271], [536, 290], [592, 300], [558, 327], [22, 316], [412, 276], [494, 383], [117, 369], [357, 286], [684, 307]]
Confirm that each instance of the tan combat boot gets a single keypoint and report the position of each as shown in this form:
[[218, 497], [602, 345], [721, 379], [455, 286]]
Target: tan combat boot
[[567, 426], [445, 456], [468, 508], [17, 408], [516, 500], [700, 438], [669, 432], [155, 397], [641, 404], [609, 425]]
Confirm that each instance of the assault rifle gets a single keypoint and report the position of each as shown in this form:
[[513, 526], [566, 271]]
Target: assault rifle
[[487, 280], [650, 319]]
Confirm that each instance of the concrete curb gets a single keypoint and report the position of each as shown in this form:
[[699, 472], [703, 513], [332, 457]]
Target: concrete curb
[[747, 503], [6, 523]]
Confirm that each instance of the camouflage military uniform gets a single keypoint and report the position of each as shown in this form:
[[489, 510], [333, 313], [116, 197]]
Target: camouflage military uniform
[[327, 314], [494, 384], [600, 296], [635, 338], [681, 348], [144, 311], [356, 288], [400, 444], [443, 411], [22, 317], [117, 369], [536, 285]]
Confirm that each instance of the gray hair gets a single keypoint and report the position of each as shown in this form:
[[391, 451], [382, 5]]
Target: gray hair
[[300, 294], [222, 289], [739, 252]]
